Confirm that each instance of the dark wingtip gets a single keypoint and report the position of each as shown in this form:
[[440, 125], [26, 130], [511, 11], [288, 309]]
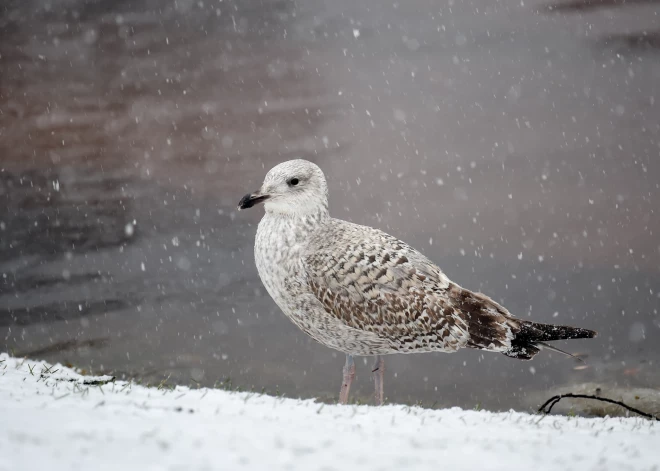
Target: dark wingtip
[[533, 336], [579, 333], [535, 331]]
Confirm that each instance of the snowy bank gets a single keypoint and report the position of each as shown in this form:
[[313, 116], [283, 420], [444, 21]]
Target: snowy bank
[[52, 418]]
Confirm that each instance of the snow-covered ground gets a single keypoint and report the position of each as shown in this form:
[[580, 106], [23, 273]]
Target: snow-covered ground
[[53, 418]]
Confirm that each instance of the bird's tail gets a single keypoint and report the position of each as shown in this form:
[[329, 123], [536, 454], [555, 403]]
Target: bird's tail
[[532, 337]]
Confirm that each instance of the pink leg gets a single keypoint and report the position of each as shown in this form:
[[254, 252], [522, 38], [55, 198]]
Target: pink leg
[[349, 375], [379, 372]]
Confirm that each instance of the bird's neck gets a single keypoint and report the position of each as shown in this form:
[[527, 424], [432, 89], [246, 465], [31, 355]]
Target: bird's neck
[[298, 215], [298, 224]]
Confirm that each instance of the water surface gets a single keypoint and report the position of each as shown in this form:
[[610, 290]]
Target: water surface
[[514, 143]]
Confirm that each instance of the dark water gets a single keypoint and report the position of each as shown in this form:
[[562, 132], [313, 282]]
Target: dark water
[[515, 143]]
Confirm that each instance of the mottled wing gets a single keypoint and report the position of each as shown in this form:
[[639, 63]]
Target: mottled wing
[[374, 282]]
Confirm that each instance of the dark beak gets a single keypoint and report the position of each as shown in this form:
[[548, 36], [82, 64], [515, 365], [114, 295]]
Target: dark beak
[[252, 199]]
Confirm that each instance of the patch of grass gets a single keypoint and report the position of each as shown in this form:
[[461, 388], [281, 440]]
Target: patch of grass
[[162, 384]]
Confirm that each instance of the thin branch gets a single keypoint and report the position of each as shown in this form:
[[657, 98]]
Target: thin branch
[[550, 403]]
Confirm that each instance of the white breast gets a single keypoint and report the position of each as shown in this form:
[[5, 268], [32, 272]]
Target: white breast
[[277, 251]]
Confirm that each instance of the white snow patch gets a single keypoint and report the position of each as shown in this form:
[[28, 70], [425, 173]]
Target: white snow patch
[[50, 419]]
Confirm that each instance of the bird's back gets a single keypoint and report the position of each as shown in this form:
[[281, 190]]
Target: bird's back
[[372, 281]]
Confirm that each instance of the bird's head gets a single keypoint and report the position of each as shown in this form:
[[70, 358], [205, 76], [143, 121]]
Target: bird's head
[[292, 187]]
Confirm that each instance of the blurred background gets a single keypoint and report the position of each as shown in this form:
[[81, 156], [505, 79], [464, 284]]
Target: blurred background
[[515, 143]]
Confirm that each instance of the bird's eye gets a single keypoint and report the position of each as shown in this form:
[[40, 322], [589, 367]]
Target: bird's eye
[[294, 181]]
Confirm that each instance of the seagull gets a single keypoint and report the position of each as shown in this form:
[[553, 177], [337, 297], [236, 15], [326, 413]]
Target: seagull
[[363, 292]]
